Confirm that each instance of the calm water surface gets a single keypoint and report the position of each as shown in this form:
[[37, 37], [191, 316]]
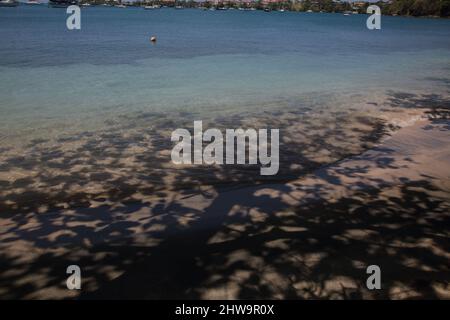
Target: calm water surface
[[208, 62]]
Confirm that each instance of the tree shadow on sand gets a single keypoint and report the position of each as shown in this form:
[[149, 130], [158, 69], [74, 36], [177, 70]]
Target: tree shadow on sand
[[296, 240]]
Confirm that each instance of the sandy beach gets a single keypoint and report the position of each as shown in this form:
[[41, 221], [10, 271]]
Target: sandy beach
[[310, 237]]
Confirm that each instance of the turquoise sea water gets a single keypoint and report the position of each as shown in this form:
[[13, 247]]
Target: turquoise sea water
[[53, 79]]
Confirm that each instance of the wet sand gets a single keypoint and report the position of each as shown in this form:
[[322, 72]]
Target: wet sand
[[312, 237]]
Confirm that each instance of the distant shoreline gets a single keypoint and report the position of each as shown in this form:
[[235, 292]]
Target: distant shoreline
[[278, 6]]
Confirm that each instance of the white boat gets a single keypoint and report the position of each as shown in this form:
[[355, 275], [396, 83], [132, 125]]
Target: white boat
[[152, 7], [32, 2], [120, 6], [8, 3]]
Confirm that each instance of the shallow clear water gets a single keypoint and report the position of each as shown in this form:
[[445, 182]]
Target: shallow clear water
[[209, 62]]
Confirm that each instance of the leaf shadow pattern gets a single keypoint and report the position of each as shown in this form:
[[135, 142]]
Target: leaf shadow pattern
[[270, 239]]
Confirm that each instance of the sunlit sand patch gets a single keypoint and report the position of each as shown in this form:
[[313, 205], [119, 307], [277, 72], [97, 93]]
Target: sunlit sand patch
[[359, 234], [257, 216], [223, 236], [401, 291], [278, 244], [292, 229], [338, 287], [442, 290], [229, 290]]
